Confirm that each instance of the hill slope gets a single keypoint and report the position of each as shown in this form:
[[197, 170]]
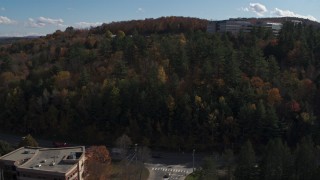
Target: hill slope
[[165, 83]]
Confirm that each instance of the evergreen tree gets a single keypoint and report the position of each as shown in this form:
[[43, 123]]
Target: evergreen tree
[[273, 69], [28, 141], [228, 157], [209, 169], [277, 161], [305, 160], [246, 167]]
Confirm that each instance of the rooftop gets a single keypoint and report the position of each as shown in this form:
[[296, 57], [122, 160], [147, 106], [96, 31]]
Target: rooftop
[[58, 160], [20, 154]]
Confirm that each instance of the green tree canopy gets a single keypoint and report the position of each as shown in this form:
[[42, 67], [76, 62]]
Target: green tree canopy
[[5, 147], [247, 167]]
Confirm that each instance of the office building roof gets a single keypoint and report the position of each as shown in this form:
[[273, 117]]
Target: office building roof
[[59, 160]]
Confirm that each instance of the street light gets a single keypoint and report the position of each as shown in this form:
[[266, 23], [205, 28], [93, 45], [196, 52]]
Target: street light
[[135, 149], [193, 160]]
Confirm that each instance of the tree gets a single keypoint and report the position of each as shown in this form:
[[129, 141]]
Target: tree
[[306, 162], [120, 34], [6, 64], [5, 147], [209, 169], [277, 161], [84, 78], [123, 142], [98, 163], [270, 125], [274, 96], [162, 77], [28, 141], [247, 167], [63, 79], [273, 69], [228, 157]]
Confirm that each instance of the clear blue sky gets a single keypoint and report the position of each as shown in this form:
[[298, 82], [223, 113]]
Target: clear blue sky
[[39, 17]]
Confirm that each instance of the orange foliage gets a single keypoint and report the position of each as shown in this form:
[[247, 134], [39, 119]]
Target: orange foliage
[[99, 154], [7, 77], [274, 96], [257, 82], [98, 163]]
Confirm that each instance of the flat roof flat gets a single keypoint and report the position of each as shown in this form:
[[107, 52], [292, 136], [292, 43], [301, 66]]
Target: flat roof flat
[[42, 159], [20, 154]]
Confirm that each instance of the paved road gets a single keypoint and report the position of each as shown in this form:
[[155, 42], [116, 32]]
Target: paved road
[[15, 139], [176, 165]]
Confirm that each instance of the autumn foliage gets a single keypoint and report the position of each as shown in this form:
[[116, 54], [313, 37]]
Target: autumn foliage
[[163, 82], [98, 162]]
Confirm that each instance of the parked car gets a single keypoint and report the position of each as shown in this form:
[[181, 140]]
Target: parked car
[[59, 144], [166, 177]]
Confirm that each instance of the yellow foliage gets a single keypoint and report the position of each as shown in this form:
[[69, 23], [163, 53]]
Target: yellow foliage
[[221, 100], [182, 39], [115, 92], [162, 76], [62, 79], [198, 100], [220, 82], [305, 116], [62, 75], [105, 84], [252, 106]]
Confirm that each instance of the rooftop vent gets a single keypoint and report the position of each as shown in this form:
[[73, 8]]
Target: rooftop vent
[[43, 161], [52, 163], [26, 152], [38, 165]]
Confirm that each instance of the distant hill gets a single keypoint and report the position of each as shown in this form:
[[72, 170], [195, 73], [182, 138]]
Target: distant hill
[[10, 40], [174, 24], [160, 25]]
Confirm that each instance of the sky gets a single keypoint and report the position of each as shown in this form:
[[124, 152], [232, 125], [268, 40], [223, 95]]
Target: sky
[[41, 17]]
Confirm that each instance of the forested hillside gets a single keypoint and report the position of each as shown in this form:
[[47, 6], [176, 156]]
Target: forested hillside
[[165, 83]]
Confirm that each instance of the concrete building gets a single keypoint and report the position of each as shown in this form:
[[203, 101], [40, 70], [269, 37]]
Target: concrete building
[[275, 27], [235, 26], [232, 26], [28, 163]]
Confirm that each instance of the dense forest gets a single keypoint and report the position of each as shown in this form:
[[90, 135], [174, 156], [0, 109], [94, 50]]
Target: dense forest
[[166, 83]]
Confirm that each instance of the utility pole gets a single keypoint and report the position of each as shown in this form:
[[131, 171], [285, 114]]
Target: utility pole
[[193, 160]]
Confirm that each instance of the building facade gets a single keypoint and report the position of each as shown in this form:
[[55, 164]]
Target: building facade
[[275, 27], [231, 26], [234, 26], [29, 163]]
